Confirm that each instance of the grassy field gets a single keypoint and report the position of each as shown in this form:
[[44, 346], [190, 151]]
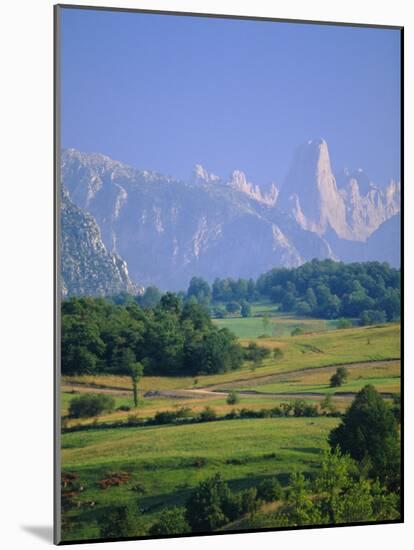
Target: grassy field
[[278, 324], [167, 461]]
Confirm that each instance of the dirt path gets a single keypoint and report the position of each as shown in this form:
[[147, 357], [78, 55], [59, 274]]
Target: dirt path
[[283, 376], [222, 390]]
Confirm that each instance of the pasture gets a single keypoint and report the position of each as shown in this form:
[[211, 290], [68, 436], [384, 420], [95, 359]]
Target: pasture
[[166, 461]]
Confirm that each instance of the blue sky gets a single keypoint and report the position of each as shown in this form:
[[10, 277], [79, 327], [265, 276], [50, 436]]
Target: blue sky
[[164, 93]]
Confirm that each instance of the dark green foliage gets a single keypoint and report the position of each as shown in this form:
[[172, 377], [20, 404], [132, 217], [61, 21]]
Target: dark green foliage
[[301, 408], [99, 336], [200, 289], [218, 312], [249, 503], [343, 322], [369, 431], [205, 509], [329, 289], [207, 414], [372, 317], [339, 378], [233, 307], [233, 398], [297, 331], [256, 353], [269, 490], [337, 494], [246, 310], [171, 521], [90, 404], [121, 522], [136, 371], [150, 298], [396, 407], [227, 290]]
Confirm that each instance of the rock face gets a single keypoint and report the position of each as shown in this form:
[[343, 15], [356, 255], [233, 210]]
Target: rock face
[[353, 207], [168, 231], [87, 268]]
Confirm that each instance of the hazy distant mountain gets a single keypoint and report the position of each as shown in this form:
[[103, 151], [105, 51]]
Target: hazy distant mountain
[[354, 209], [168, 230], [87, 268]]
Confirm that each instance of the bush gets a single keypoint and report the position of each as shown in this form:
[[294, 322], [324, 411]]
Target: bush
[[165, 417], [233, 398], [90, 404], [339, 377], [233, 307], [269, 490], [372, 317], [246, 310], [184, 412], [343, 322], [301, 408], [207, 505], [327, 405], [256, 353], [297, 331], [171, 521], [249, 504], [207, 414], [121, 522]]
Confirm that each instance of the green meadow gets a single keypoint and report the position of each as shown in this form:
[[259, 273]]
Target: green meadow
[[163, 463]]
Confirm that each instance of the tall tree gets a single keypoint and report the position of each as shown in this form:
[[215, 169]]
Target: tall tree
[[369, 431]]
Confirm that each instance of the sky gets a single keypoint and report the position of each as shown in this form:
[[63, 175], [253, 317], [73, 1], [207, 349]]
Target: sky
[[164, 92]]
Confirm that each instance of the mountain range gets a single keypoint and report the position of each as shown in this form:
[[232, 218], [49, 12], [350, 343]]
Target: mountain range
[[148, 228]]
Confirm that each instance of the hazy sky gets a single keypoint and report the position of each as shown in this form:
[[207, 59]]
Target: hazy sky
[[164, 92]]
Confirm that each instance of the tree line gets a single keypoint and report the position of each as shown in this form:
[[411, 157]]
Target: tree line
[[368, 291], [173, 338]]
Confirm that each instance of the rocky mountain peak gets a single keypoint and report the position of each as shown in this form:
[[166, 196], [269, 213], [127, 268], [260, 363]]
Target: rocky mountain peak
[[201, 175]]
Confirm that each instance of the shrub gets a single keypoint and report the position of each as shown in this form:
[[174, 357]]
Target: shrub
[[269, 490], [184, 412], [255, 353], [207, 414], [207, 505], [249, 503], [171, 521], [339, 377], [246, 310], [120, 522], [301, 408], [297, 331], [327, 405], [233, 307], [233, 398], [165, 417], [90, 404], [343, 322], [372, 317]]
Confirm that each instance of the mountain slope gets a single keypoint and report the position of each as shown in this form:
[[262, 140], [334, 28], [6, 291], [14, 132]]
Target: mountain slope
[[86, 266], [168, 230]]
